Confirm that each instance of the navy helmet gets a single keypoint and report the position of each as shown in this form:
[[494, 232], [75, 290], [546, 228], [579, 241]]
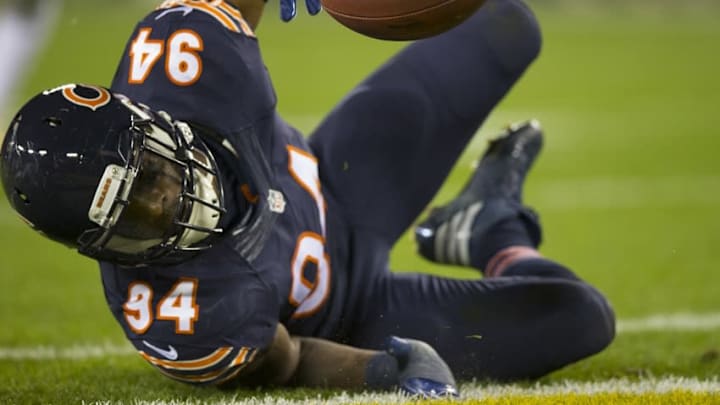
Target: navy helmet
[[110, 177]]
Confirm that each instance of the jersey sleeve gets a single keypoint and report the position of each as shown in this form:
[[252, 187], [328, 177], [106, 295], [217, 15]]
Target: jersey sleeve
[[200, 367], [198, 322], [201, 63]]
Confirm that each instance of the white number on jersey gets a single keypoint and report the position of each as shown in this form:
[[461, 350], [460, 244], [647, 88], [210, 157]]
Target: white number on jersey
[[304, 169], [183, 64], [177, 305], [309, 296], [138, 313]]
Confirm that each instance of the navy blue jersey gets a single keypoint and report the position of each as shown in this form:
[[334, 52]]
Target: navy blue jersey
[[202, 320]]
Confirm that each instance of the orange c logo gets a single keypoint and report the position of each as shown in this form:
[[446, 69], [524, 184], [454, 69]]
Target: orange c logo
[[103, 98]]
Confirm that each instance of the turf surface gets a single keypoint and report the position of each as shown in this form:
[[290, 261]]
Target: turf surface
[[628, 186]]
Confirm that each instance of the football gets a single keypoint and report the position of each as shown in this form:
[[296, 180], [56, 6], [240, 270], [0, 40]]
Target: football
[[400, 20]]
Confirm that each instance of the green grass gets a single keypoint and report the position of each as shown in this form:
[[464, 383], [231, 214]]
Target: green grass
[[628, 185]]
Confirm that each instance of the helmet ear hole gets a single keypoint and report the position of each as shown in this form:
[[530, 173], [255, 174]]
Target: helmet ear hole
[[22, 196], [53, 122]]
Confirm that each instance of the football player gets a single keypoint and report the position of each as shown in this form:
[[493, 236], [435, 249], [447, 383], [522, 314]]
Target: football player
[[233, 250]]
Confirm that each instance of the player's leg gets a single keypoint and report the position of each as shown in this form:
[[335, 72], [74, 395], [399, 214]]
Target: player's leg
[[504, 328], [527, 317], [387, 147], [487, 224]]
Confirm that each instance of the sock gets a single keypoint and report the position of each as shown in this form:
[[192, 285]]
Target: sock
[[510, 232], [508, 256]]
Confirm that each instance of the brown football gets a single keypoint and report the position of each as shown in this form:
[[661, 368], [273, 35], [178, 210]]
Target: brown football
[[401, 20]]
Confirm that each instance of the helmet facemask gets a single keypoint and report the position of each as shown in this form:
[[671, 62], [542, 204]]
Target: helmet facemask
[[164, 204]]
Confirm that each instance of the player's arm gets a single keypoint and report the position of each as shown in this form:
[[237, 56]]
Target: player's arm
[[293, 360], [288, 9], [312, 362]]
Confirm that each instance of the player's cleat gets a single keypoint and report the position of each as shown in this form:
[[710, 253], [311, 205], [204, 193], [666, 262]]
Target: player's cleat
[[493, 194]]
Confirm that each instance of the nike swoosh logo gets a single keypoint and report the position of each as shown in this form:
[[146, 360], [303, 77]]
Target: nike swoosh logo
[[184, 9], [170, 354]]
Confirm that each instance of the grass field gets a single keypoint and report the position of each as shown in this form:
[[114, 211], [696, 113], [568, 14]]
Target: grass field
[[628, 188]]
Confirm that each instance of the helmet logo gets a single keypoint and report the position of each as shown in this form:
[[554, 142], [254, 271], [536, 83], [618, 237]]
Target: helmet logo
[[102, 99], [109, 188]]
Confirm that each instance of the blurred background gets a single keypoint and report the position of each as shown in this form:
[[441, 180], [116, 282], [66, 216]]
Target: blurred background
[[628, 186]]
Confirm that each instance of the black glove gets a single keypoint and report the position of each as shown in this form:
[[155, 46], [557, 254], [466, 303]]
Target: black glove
[[414, 367]]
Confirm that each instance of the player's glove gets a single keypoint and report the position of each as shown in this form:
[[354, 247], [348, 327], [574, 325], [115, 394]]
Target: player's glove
[[414, 367], [288, 8]]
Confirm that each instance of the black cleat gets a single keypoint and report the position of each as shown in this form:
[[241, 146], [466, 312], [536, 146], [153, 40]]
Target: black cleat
[[493, 194]]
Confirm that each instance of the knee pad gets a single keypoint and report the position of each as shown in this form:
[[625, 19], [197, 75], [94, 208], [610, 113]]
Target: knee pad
[[512, 31], [596, 317]]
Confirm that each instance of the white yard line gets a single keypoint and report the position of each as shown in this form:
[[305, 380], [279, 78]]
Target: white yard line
[[74, 352], [474, 391], [679, 322]]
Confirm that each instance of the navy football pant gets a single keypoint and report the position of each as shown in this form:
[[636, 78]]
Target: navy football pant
[[384, 152]]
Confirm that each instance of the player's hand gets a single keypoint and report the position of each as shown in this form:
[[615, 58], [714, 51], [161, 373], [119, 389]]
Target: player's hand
[[421, 371], [288, 8]]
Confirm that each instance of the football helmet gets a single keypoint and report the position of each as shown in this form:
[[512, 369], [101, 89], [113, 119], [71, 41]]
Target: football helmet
[[111, 178]]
